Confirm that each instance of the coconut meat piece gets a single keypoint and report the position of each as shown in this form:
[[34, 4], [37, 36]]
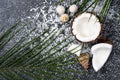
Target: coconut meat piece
[[100, 53], [75, 49], [86, 27]]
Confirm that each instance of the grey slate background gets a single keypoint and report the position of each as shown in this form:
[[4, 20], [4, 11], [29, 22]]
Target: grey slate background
[[42, 13]]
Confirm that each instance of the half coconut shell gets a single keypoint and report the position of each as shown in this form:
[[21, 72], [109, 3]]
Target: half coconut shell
[[86, 27]]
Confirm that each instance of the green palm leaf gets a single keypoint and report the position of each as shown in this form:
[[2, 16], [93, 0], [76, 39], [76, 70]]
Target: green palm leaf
[[21, 62], [40, 62], [105, 8]]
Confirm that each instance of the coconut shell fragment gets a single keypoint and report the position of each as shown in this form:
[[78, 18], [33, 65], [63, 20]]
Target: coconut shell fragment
[[84, 60], [104, 40]]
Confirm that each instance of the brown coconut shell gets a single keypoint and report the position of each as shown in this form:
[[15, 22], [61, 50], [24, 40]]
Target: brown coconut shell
[[84, 60], [100, 34], [104, 40]]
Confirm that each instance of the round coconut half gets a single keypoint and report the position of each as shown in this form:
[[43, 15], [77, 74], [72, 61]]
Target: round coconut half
[[100, 53], [86, 27]]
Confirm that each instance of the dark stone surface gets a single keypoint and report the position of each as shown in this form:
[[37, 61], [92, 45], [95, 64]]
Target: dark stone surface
[[42, 13]]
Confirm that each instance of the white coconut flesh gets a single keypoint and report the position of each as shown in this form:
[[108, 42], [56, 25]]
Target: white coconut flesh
[[100, 53], [86, 27], [75, 49]]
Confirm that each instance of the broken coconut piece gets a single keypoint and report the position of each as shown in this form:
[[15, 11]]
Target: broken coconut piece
[[86, 27], [84, 60], [75, 49], [100, 53]]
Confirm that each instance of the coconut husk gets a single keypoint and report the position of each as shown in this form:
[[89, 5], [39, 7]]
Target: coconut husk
[[84, 60]]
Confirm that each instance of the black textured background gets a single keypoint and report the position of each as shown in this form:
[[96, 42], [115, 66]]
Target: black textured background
[[42, 12]]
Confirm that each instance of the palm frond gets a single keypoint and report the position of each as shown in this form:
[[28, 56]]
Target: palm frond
[[83, 5], [6, 41], [42, 61], [89, 6], [76, 1], [38, 62], [96, 2], [105, 8], [8, 32]]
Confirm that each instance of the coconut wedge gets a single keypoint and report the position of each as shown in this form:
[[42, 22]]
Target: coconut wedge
[[100, 53], [86, 27], [75, 49]]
